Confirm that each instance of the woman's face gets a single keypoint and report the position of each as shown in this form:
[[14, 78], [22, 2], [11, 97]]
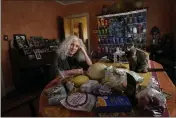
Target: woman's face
[[74, 46]]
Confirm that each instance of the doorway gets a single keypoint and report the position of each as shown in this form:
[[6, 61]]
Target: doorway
[[78, 25]]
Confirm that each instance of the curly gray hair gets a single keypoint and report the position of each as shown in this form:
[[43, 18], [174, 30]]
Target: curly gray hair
[[64, 47]]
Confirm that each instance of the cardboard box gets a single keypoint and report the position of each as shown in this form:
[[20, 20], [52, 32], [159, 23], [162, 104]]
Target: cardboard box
[[113, 104]]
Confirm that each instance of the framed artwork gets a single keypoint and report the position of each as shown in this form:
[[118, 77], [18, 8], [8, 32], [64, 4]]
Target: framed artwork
[[20, 39]]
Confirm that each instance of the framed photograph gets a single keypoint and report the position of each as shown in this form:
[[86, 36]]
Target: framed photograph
[[30, 43], [20, 39], [19, 36], [38, 41], [37, 54]]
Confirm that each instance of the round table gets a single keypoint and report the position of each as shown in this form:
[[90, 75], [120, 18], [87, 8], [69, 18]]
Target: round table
[[60, 111], [46, 110]]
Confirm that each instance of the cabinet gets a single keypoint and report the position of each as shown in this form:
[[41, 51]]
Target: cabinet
[[116, 30], [31, 75]]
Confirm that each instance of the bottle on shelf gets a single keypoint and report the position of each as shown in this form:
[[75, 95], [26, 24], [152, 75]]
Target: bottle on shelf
[[99, 41], [99, 22], [102, 21], [102, 40], [106, 22], [102, 31], [106, 30], [117, 40]]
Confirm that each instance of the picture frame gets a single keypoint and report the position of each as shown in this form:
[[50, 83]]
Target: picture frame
[[38, 41], [19, 36], [20, 40]]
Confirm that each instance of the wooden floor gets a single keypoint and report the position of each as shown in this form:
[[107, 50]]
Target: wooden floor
[[19, 105]]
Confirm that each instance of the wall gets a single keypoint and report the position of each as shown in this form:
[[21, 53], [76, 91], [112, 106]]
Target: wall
[[39, 18], [33, 18], [159, 14]]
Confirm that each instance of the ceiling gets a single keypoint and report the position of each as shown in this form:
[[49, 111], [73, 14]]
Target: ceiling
[[67, 2]]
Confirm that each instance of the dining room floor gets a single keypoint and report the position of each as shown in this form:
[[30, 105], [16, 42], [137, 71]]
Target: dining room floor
[[15, 104]]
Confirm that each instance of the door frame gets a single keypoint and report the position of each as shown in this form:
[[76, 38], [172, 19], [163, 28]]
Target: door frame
[[88, 22]]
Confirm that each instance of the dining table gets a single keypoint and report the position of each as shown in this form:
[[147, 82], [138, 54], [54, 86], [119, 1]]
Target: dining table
[[155, 69]]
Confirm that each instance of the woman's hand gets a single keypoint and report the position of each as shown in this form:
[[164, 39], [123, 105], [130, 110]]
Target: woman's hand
[[74, 72], [88, 60], [83, 50], [79, 71]]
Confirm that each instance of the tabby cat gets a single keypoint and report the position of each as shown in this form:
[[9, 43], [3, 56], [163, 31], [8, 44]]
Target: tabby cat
[[138, 59]]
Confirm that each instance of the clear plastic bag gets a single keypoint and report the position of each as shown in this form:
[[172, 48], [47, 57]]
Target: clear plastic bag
[[152, 97], [136, 76], [115, 78], [153, 84], [56, 94], [89, 87], [152, 101]]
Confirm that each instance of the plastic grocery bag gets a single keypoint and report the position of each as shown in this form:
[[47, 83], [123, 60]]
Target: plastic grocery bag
[[135, 75], [56, 94], [153, 84], [115, 78]]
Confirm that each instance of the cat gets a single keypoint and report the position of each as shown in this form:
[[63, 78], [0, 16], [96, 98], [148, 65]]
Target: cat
[[138, 59]]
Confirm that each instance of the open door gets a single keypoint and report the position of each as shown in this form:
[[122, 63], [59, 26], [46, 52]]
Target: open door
[[78, 25]]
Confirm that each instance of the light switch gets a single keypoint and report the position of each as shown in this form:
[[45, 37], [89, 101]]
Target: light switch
[[5, 37]]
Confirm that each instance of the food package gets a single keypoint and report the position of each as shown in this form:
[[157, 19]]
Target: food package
[[56, 94], [102, 90], [113, 104], [150, 97], [152, 101], [79, 101], [136, 76], [115, 78], [105, 90], [89, 86], [69, 85]]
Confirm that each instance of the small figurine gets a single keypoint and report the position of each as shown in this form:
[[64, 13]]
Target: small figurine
[[118, 53]]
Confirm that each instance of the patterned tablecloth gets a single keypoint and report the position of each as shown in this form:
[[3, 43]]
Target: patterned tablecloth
[[161, 76]]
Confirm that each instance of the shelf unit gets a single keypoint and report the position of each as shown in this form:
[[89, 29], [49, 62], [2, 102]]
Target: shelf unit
[[115, 30]]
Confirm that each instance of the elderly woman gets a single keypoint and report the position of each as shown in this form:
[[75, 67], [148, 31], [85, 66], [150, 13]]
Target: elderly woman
[[72, 57]]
